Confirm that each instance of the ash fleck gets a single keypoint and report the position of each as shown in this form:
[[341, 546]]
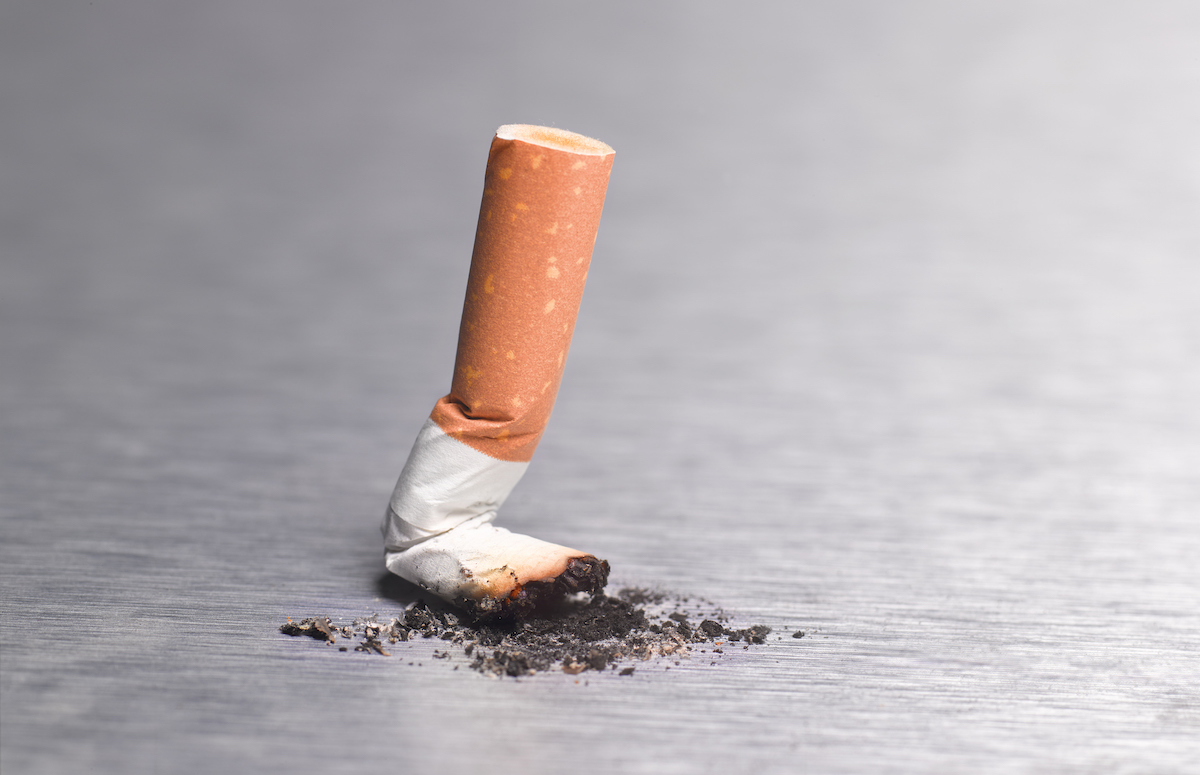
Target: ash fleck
[[317, 627]]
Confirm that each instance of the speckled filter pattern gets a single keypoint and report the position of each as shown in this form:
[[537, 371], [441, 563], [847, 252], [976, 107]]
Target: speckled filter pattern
[[533, 246]]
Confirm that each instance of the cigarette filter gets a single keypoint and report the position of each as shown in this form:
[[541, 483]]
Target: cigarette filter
[[542, 198]]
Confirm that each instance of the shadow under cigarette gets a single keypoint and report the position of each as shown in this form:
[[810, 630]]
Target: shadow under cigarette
[[391, 587]]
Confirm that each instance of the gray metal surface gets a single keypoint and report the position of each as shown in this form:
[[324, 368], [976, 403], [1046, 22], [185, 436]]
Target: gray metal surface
[[892, 336]]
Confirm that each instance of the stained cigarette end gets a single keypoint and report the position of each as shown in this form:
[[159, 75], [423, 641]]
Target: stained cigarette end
[[581, 574], [494, 573]]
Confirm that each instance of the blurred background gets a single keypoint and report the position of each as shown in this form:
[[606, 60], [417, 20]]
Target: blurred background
[[892, 335]]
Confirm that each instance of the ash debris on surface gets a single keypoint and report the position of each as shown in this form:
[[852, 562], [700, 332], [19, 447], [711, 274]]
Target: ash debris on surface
[[590, 634]]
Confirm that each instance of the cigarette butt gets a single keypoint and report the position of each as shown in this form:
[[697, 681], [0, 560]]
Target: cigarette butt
[[543, 195]]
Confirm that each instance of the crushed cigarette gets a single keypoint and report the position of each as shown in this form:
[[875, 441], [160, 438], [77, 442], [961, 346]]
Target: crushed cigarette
[[542, 199]]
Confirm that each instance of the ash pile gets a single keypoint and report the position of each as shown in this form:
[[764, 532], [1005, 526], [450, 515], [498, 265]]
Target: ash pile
[[585, 634]]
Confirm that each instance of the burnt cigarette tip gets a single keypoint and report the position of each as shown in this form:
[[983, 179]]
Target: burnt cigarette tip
[[582, 574]]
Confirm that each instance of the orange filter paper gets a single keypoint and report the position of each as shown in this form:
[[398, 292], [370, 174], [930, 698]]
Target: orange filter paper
[[542, 196]]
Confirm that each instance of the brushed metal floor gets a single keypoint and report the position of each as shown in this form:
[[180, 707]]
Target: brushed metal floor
[[892, 336]]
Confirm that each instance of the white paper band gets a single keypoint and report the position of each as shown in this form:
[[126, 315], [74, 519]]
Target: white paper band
[[444, 484]]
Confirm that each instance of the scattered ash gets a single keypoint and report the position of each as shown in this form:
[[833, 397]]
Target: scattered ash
[[585, 633]]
